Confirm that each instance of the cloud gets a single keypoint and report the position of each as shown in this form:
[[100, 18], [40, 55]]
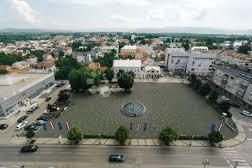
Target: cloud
[[23, 8], [119, 18], [97, 3]]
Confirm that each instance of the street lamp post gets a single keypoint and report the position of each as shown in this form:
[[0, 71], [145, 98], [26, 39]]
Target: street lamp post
[[205, 163], [99, 138]]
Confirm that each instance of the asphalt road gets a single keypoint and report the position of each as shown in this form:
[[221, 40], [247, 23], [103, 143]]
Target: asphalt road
[[96, 157]]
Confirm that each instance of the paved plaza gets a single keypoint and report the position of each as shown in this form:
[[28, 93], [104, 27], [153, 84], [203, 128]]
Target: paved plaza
[[167, 104]]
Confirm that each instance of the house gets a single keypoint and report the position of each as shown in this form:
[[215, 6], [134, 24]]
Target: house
[[108, 49], [5, 67], [48, 57], [85, 57], [43, 67], [199, 48], [20, 65], [235, 82], [128, 51], [128, 65], [239, 43], [152, 72]]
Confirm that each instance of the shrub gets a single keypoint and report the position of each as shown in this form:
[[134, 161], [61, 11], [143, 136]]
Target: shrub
[[121, 134], [215, 137], [168, 135], [75, 134]]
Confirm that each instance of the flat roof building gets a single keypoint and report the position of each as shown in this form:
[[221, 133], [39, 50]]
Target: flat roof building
[[15, 88]]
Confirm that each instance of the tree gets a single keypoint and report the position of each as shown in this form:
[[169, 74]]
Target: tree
[[109, 74], [75, 134], [225, 106], [7, 59], [213, 96], [121, 134], [244, 49], [63, 96], [194, 81], [39, 54], [78, 79], [29, 134], [107, 60], [168, 135], [186, 45], [3, 71], [126, 80], [205, 89], [215, 137]]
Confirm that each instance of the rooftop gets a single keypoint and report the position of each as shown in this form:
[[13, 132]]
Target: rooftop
[[236, 71], [128, 47], [127, 63], [14, 83]]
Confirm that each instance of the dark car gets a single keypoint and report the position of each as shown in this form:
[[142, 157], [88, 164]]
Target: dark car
[[48, 98], [29, 148], [21, 119], [116, 158], [42, 118], [32, 127], [3, 126]]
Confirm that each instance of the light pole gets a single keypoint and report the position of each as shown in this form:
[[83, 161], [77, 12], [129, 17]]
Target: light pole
[[205, 163], [99, 138]]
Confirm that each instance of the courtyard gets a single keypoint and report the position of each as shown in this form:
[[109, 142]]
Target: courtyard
[[166, 105]]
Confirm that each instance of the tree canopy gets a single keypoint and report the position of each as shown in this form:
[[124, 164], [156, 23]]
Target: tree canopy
[[7, 59], [205, 89], [107, 60], [215, 137], [168, 135], [75, 134], [244, 49], [121, 134], [65, 65], [125, 79]]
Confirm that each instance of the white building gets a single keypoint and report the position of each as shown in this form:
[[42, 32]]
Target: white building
[[20, 65], [16, 88], [190, 62], [84, 57], [128, 65], [200, 64], [176, 61], [108, 49], [199, 48], [152, 72]]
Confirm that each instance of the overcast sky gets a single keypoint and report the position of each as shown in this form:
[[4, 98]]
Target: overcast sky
[[92, 14]]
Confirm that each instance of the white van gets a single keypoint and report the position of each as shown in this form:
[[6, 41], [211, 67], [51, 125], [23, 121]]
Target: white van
[[32, 108], [21, 125]]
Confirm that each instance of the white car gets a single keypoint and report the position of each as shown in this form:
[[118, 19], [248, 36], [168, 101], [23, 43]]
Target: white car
[[21, 125], [32, 108], [246, 113]]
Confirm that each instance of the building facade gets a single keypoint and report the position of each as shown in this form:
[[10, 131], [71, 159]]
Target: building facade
[[16, 89], [235, 83], [200, 64], [128, 66]]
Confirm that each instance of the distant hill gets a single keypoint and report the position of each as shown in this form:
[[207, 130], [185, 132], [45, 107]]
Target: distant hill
[[199, 30]]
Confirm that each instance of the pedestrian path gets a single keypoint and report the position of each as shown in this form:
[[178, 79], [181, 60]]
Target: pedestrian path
[[234, 159]]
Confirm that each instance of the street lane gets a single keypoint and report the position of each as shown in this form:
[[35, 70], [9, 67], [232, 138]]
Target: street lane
[[96, 156]]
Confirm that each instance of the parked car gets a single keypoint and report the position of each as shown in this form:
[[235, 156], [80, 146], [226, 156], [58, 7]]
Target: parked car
[[21, 125], [48, 98], [29, 148], [116, 158], [3, 126], [42, 118], [21, 119], [33, 127], [246, 113], [39, 122], [32, 108]]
